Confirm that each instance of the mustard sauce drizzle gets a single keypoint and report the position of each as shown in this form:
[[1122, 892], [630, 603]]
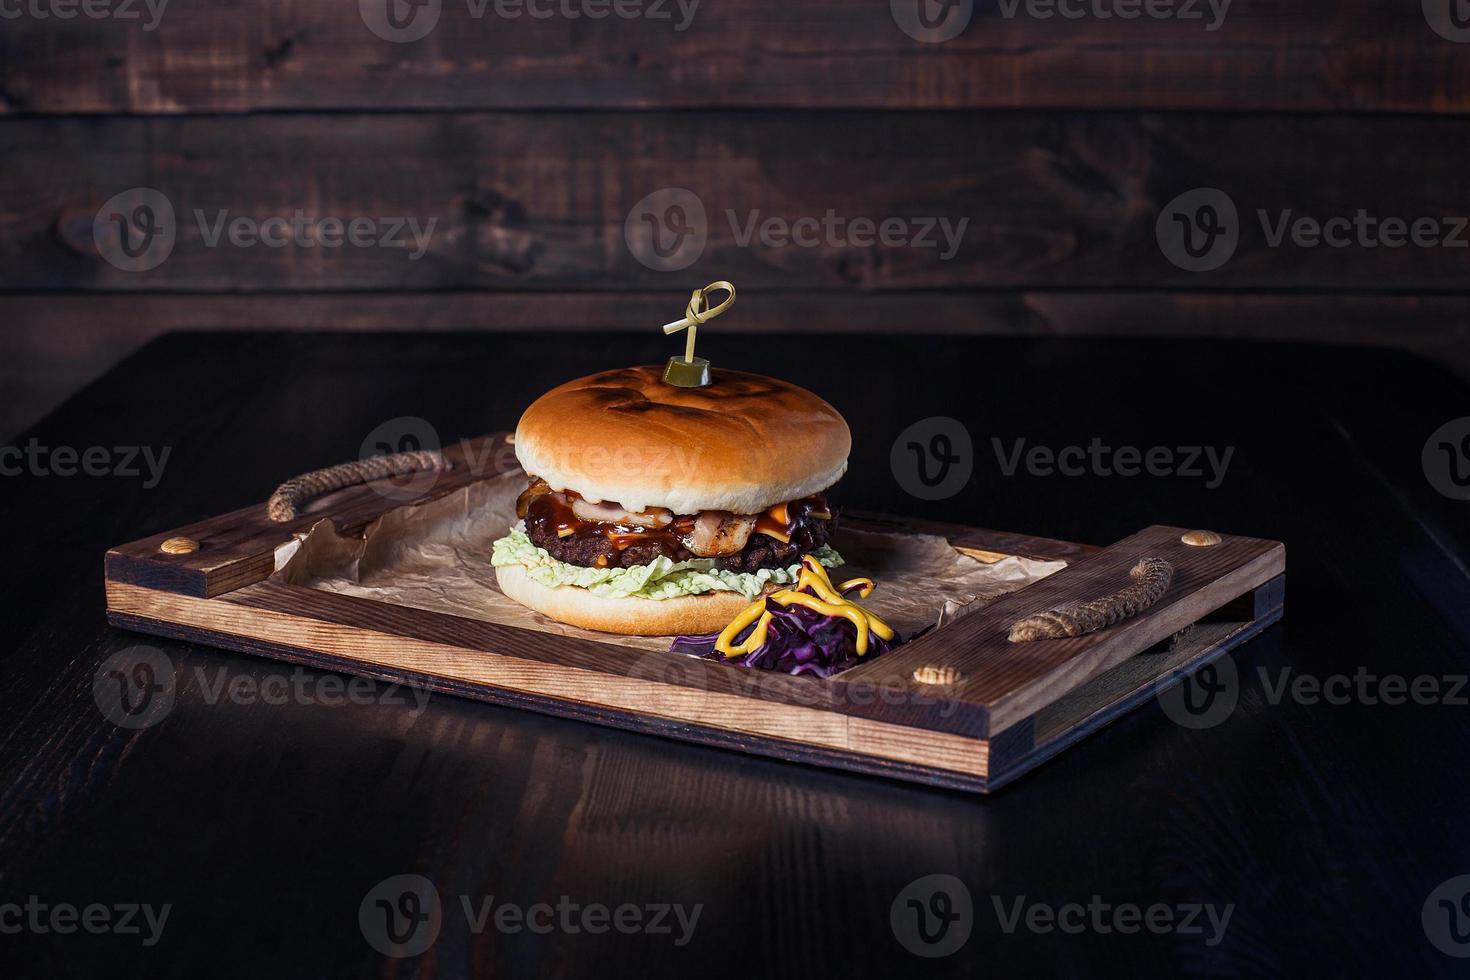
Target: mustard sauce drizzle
[[829, 600]]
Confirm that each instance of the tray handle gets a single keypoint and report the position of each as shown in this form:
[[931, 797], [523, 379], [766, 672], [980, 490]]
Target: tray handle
[[1151, 578], [299, 489]]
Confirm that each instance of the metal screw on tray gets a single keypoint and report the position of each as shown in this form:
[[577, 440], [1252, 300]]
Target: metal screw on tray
[[690, 371]]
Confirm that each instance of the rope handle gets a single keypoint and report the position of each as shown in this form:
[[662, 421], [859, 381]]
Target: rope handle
[[1151, 578], [299, 489]]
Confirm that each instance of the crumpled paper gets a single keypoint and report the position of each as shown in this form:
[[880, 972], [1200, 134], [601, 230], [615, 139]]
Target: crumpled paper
[[436, 556]]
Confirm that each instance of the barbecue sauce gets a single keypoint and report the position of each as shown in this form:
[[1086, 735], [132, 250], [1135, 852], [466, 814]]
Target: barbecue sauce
[[540, 504]]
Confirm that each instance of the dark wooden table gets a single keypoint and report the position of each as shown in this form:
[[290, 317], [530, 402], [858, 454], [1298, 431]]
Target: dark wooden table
[[1324, 824]]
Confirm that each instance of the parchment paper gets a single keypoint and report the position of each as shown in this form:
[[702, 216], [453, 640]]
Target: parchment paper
[[436, 556]]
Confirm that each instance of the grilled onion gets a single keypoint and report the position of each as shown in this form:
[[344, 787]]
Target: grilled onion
[[610, 513]]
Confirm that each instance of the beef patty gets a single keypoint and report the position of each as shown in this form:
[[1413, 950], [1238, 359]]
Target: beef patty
[[590, 546]]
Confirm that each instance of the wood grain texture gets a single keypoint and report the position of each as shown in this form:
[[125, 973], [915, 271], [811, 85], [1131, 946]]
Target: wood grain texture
[[1310, 55], [1102, 700], [1015, 680], [339, 617], [613, 679], [1047, 201], [1158, 665], [778, 716], [238, 548]]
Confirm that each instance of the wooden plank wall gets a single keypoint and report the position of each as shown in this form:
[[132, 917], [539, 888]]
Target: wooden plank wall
[[528, 140]]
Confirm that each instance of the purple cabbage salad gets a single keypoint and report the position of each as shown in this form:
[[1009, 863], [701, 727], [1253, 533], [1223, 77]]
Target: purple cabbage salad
[[799, 640]]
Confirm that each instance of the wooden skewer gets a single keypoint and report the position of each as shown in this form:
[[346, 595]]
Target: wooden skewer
[[695, 314]]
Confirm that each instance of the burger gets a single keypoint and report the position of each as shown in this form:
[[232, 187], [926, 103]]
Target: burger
[[655, 509]]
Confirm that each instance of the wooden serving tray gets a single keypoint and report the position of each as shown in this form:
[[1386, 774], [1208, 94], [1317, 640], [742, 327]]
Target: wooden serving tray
[[1001, 708]]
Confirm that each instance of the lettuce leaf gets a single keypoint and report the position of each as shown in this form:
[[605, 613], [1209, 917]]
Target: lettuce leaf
[[660, 579]]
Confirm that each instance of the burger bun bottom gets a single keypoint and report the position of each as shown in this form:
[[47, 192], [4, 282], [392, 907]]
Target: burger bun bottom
[[630, 615]]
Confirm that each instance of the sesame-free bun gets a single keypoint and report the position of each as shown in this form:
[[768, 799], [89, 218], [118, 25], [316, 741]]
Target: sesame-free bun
[[571, 604], [742, 444]]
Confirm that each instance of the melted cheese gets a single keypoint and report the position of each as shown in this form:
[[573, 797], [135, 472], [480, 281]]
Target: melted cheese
[[775, 523]]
